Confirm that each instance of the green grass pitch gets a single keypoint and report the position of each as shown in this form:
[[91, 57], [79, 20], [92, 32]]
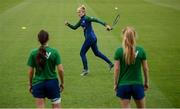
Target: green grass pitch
[[156, 21]]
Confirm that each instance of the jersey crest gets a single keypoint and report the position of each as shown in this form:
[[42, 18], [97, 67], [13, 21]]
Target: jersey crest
[[48, 55]]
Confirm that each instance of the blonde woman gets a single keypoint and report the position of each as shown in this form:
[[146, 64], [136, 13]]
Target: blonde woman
[[90, 38], [128, 79]]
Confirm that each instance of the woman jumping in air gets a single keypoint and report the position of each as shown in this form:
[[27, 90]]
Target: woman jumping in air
[[90, 38]]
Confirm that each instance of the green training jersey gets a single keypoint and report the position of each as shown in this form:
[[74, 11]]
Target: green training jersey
[[130, 74], [49, 71], [86, 23]]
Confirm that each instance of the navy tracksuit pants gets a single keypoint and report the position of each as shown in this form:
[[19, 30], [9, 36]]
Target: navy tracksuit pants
[[88, 43]]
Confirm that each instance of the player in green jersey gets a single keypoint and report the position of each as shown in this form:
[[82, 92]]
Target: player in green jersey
[[128, 80], [43, 79]]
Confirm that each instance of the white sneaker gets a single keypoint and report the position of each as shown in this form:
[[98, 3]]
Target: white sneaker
[[84, 72]]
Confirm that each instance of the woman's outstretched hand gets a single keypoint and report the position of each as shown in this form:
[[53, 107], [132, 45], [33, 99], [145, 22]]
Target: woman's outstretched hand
[[108, 28], [66, 23]]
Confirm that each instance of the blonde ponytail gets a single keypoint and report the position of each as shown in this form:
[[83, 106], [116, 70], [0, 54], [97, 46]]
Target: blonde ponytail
[[129, 44]]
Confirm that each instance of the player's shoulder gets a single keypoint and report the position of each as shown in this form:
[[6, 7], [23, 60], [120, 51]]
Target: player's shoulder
[[119, 53], [34, 51], [51, 49], [119, 50], [139, 48], [88, 17]]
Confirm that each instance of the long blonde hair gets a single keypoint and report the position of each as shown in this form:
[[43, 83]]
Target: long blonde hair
[[129, 44]]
